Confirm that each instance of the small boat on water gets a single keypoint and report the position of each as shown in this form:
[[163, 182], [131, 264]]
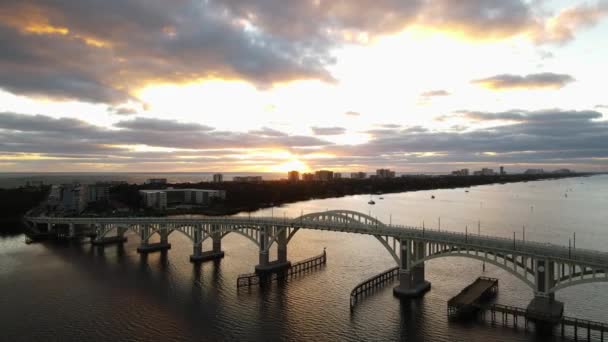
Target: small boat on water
[[381, 198], [371, 201], [433, 197]]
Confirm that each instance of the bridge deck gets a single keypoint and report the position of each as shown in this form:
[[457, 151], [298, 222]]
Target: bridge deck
[[596, 259], [471, 295]]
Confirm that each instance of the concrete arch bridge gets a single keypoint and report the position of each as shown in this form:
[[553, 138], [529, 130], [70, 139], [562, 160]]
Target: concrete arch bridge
[[545, 268]]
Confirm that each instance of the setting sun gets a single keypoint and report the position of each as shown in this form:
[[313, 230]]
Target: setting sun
[[291, 165]]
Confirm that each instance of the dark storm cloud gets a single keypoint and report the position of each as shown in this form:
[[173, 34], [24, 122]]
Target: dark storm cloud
[[328, 130], [542, 80]]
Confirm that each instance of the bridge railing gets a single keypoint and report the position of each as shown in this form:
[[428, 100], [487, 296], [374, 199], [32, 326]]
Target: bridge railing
[[399, 231]]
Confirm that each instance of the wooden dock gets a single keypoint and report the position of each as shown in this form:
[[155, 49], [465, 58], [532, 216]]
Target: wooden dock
[[252, 279], [568, 327], [472, 296], [371, 284]]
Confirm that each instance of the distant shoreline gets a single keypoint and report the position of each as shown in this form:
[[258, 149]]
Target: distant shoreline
[[249, 197]]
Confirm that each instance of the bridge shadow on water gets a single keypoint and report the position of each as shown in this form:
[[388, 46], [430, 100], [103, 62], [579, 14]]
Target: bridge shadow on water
[[155, 283]]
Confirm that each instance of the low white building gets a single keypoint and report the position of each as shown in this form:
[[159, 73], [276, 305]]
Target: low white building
[[161, 199]]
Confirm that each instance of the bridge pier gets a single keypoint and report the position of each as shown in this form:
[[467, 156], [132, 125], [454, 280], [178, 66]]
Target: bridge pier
[[197, 252], [279, 265], [71, 231], [411, 278], [99, 240], [146, 247], [543, 309]]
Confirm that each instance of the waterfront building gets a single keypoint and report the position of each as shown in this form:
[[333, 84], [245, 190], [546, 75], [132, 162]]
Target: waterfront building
[[308, 177], [534, 172], [485, 172], [502, 171], [73, 197], [161, 199], [385, 173], [324, 175], [156, 199], [461, 172], [358, 175], [563, 171], [55, 194], [337, 175], [293, 176], [98, 192], [156, 181], [218, 178], [247, 179]]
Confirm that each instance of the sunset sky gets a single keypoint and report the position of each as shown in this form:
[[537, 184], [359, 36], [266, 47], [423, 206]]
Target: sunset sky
[[274, 85]]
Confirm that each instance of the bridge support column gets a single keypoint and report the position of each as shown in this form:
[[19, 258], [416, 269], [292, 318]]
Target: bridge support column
[[49, 227], [147, 247], [279, 265], [544, 310], [411, 279], [72, 231], [100, 240], [282, 246], [216, 253]]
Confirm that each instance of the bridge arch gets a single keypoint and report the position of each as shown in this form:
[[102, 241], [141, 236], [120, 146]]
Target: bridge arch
[[583, 277], [313, 220], [249, 232], [339, 216], [506, 264]]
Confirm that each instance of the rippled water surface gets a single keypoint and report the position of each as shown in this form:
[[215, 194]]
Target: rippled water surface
[[74, 292]]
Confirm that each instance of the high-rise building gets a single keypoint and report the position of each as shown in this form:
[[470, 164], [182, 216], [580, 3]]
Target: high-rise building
[[308, 177], [73, 197], [324, 175], [337, 175], [502, 171], [385, 173], [98, 192], [293, 176], [461, 172], [218, 178], [484, 172], [358, 175]]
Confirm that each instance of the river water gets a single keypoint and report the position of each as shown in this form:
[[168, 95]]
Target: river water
[[74, 292]]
